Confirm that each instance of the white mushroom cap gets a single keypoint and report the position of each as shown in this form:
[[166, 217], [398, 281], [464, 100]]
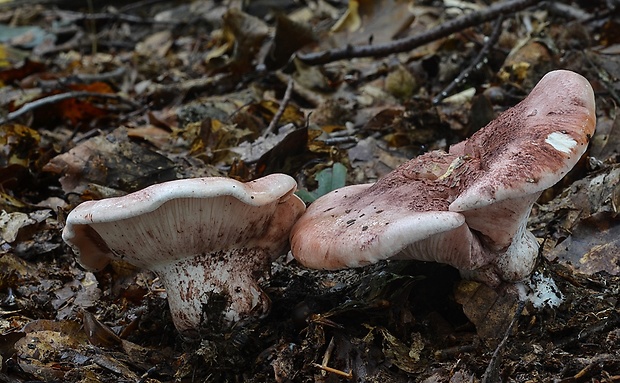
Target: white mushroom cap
[[467, 208], [204, 237]]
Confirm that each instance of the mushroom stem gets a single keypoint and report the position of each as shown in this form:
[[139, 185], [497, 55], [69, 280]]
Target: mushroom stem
[[215, 290]]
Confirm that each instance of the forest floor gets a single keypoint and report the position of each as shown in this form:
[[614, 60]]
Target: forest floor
[[100, 99]]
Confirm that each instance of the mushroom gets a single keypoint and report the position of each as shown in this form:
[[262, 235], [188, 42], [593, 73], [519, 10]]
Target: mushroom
[[467, 208], [209, 240]]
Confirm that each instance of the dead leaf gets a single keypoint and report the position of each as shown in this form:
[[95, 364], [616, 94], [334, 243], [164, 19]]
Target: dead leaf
[[40, 352], [405, 357], [599, 192], [401, 84], [526, 64], [268, 108], [14, 271], [98, 333], [11, 223], [156, 44], [249, 33], [289, 37], [214, 141], [370, 21], [74, 110], [76, 295], [490, 311], [593, 245], [286, 156], [25, 69], [19, 145], [606, 141], [111, 160]]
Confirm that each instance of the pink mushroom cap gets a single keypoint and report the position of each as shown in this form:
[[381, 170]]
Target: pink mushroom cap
[[204, 237], [468, 207]]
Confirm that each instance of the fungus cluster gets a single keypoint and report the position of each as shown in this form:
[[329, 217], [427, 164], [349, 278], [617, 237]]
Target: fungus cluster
[[468, 207], [208, 239]]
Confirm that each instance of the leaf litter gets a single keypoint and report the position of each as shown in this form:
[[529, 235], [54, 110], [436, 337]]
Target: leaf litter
[[106, 100]]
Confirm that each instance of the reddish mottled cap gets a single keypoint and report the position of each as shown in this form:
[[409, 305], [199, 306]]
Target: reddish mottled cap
[[404, 215], [204, 237], [524, 151], [467, 208]]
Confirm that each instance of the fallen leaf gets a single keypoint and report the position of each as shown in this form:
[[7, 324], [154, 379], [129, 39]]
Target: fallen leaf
[[25, 69], [19, 145], [156, 44], [328, 179], [11, 223], [289, 37], [111, 160], [489, 310], [76, 295], [370, 21], [593, 245], [249, 33], [40, 351], [405, 357]]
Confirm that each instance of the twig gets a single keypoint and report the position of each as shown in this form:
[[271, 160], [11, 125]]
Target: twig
[[81, 16], [409, 43], [340, 140], [30, 106], [475, 64], [313, 98], [84, 78], [328, 352], [611, 322], [347, 375], [568, 11], [283, 104], [139, 4], [326, 357], [216, 84], [491, 374]]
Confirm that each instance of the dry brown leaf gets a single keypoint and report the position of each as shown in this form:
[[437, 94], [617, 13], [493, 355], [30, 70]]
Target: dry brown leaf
[[156, 44], [489, 310], [19, 145], [593, 245], [112, 161], [370, 21]]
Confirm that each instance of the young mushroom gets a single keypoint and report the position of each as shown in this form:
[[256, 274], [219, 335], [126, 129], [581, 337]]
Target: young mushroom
[[467, 208], [209, 240]]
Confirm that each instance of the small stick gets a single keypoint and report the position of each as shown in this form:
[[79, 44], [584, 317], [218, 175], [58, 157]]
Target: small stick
[[491, 374], [283, 104], [409, 43], [326, 357], [60, 97], [475, 64], [84, 78], [348, 375], [82, 16], [328, 352]]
